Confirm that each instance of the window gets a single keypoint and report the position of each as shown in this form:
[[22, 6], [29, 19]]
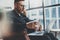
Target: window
[[59, 24], [59, 11], [26, 4], [28, 14], [35, 3], [47, 13], [53, 2], [40, 12], [53, 12], [41, 21], [47, 22], [55, 25], [58, 1], [33, 14], [46, 2]]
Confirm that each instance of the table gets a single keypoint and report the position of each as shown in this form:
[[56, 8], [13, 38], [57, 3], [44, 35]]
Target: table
[[38, 33], [55, 30], [38, 36]]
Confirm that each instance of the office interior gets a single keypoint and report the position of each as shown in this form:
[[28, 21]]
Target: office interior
[[47, 12]]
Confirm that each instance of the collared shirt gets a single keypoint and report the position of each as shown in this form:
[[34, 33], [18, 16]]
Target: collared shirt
[[18, 13], [19, 21]]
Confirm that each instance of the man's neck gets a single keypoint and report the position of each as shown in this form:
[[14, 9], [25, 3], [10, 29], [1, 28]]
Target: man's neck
[[17, 11]]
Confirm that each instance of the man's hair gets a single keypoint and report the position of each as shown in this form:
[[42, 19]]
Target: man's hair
[[17, 1]]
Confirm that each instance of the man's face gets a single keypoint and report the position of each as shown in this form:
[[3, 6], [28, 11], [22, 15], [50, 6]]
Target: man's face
[[19, 6]]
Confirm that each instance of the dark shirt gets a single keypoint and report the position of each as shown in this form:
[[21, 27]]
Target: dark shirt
[[18, 22]]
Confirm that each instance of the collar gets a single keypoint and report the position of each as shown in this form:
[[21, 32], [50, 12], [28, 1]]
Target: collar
[[19, 14]]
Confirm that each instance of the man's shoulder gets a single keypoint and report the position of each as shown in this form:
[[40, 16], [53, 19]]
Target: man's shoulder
[[10, 12]]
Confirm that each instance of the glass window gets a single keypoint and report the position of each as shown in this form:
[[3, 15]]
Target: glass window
[[59, 12], [53, 12], [28, 14], [53, 2], [47, 13], [41, 21], [55, 25], [33, 14], [33, 18], [46, 2], [40, 12], [47, 22], [35, 3], [59, 1], [59, 24], [26, 4]]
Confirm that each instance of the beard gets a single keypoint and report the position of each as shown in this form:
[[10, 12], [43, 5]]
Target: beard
[[19, 10]]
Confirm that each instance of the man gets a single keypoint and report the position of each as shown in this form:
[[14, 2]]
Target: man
[[18, 22]]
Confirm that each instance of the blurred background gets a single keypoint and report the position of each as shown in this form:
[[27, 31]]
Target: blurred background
[[45, 11]]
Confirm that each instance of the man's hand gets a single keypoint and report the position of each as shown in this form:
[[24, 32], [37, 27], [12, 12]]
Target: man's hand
[[31, 25], [34, 25], [24, 11]]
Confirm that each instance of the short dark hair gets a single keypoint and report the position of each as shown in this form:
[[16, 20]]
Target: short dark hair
[[17, 1]]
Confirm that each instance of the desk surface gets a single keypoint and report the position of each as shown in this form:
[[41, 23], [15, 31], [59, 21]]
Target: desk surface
[[38, 33], [55, 30]]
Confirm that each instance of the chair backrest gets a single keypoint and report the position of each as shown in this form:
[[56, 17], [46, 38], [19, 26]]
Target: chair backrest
[[50, 25]]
